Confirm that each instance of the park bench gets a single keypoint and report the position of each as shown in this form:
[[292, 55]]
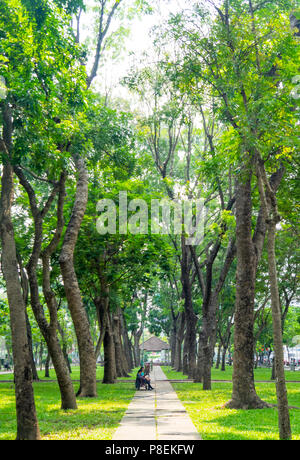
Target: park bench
[[141, 385]]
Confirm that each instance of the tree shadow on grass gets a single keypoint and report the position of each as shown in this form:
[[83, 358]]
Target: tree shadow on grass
[[215, 422], [95, 418]]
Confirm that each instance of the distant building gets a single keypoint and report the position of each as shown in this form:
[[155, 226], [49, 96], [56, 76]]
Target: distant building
[[154, 345], [292, 353]]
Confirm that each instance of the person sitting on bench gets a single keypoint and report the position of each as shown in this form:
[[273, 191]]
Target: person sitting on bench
[[148, 382], [143, 380], [140, 379]]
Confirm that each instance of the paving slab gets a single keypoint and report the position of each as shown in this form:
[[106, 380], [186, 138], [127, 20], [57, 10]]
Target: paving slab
[[157, 414]]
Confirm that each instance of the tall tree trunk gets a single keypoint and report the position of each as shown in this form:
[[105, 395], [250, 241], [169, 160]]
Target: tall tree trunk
[[200, 359], [121, 367], [244, 394], [136, 347], [29, 338], [249, 251], [109, 353], [102, 308], [210, 327], [27, 424], [208, 333], [223, 366], [87, 357], [190, 317], [273, 372], [124, 357], [59, 357], [41, 352], [208, 352], [185, 356], [173, 335], [25, 289], [47, 366], [48, 329], [172, 341], [126, 341], [64, 346], [268, 199], [179, 341], [68, 398], [207, 339]]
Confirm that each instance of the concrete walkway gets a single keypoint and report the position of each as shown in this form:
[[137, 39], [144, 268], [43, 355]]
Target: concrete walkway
[[156, 415]]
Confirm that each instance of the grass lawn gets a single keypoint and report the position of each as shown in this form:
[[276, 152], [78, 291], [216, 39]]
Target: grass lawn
[[96, 418], [215, 423], [217, 374]]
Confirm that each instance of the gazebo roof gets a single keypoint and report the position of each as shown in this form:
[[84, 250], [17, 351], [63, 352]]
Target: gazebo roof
[[154, 344]]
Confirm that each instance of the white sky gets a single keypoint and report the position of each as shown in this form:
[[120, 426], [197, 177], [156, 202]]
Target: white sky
[[139, 41]]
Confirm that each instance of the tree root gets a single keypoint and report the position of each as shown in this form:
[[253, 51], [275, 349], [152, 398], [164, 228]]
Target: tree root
[[256, 403]]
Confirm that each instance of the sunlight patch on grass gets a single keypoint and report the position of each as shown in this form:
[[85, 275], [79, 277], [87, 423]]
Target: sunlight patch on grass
[[95, 418], [217, 374], [214, 422]]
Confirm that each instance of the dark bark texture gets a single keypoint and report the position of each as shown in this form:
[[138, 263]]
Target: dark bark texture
[[81, 324], [27, 424], [244, 394]]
